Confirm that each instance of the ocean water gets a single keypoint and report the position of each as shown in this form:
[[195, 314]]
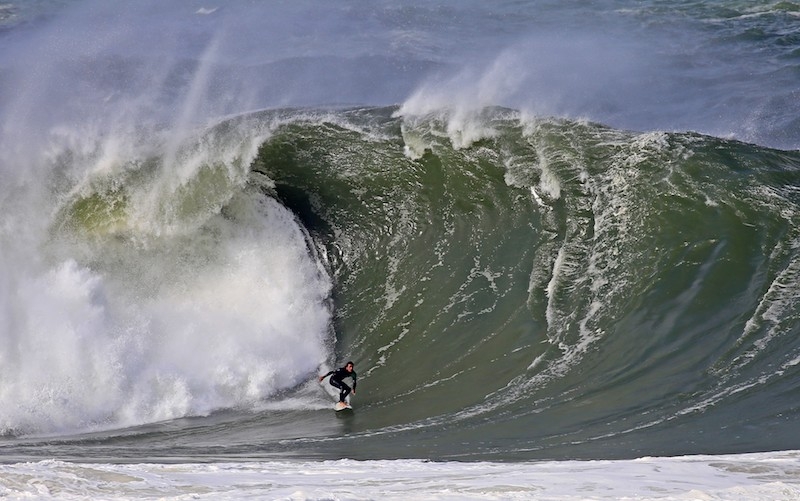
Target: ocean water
[[559, 240]]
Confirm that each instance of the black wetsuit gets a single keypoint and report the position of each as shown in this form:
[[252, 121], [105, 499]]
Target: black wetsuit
[[336, 380]]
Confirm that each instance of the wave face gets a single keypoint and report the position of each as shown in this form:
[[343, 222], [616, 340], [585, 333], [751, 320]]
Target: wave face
[[193, 226], [515, 285]]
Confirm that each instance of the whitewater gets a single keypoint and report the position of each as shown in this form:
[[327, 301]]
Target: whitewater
[[559, 240]]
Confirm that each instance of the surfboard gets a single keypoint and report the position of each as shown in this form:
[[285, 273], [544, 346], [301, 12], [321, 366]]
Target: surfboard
[[340, 406]]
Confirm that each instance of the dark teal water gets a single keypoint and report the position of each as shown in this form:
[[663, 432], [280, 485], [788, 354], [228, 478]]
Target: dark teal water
[[558, 288]]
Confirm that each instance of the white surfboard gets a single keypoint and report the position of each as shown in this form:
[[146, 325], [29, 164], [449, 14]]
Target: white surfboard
[[340, 406]]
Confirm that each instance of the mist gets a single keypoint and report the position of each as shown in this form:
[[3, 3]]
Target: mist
[[149, 65]]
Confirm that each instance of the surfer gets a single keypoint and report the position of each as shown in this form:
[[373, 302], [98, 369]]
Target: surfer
[[337, 380]]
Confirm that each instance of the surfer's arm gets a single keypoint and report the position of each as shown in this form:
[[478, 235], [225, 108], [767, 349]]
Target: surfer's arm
[[326, 375], [355, 382]]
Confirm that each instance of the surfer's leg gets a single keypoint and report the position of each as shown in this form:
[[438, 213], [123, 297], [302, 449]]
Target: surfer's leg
[[345, 391]]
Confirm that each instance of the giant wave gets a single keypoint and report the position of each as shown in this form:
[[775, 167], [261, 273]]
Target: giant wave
[[510, 287]]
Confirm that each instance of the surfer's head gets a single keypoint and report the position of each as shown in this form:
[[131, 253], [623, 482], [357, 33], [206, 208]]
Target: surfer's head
[[349, 366]]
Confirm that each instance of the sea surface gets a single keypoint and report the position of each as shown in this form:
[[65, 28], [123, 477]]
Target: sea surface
[[559, 239]]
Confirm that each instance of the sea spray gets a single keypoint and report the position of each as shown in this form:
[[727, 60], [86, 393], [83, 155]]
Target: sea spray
[[153, 285]]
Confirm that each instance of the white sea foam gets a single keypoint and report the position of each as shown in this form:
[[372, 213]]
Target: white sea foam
[[175, 309], [222, 318], [750, 477]]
